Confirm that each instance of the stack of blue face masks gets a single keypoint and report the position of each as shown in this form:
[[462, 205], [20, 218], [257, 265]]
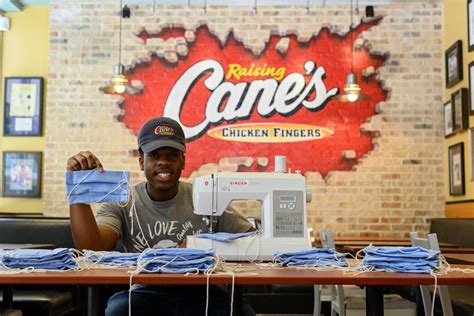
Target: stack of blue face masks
[[176, 260], [92, 186], [400, 259], [224, 236], [316, 257], [111, 258], [55, 259]]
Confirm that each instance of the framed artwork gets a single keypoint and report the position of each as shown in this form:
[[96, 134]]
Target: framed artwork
[[448, 119], [456, 169], [453, 64], [460, 111], [23, 106], [471, 88], [470, 25], [471, 150], [21, 174]]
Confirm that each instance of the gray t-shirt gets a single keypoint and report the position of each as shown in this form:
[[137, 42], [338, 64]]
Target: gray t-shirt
[[144, 223]]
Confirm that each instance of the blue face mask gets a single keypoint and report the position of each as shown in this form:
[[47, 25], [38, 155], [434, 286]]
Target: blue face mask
[[401, 259], [176, 260], [55, 259], [225, 237], [111, 258], [92, 186], [318, 257]]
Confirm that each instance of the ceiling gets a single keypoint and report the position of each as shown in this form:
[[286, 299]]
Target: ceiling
[[17, 5]]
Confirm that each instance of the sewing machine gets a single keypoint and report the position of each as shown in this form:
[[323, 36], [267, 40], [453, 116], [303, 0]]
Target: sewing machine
[[283, 197]]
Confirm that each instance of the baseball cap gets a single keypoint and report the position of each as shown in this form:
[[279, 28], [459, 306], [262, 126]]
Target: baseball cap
[[161, 132]]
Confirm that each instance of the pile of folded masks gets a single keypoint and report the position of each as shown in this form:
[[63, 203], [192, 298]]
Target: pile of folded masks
[[400, 259], [45, 259], [111, 258], [225, 237], [316, 257], [176, 260]]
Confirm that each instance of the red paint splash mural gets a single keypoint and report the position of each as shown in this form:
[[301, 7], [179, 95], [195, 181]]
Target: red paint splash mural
[[224, 90]]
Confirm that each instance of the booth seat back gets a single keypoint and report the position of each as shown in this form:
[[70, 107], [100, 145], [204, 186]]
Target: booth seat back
[[36, 230], [457, 231]]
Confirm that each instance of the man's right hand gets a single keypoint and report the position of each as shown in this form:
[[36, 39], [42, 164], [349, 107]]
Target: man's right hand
[[84, 160]]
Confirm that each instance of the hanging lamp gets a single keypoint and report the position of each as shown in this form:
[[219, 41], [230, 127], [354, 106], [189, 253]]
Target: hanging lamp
[[352, 90], [119, 83]]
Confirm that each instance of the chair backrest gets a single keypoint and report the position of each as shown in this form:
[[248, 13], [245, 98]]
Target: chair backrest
[[327, 240], [431, 242], [337, 291]]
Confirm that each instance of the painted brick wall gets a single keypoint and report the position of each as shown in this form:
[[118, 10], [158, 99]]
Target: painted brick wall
[[394, 189]]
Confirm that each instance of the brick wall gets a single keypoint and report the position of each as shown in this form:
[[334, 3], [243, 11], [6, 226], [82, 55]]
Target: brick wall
[[394, 189]]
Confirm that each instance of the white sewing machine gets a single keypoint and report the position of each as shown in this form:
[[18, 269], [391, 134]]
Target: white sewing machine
[[283, 197]]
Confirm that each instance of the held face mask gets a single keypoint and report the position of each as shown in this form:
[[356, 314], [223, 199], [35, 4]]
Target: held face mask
[[92, 186]]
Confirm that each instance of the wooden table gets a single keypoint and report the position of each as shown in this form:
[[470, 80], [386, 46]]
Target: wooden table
[[26, 246], [386, 243], [460, 258], [444, 250], [457, 250], [374, 281], [365, 240]]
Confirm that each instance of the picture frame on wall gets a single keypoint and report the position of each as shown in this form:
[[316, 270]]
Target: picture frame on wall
[[470, 25], [471, 150], [460, 110], [21, 174], [456, 169], [471, 88], [453, 64], [23, 106], [448, 119]]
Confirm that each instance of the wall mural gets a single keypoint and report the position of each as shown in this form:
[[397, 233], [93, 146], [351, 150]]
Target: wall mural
[[280, 101]]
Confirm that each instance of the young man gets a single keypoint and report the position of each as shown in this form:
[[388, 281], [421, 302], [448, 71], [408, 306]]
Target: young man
[[158, 214]]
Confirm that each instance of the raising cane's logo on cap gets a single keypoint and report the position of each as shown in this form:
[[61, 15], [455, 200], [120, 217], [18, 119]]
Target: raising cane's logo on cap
[[164, 130]]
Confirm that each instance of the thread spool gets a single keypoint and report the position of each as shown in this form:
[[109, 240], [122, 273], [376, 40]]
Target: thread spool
[[280, 164]]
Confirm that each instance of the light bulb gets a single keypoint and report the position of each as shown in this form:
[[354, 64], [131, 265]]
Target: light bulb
[[120, 88], [119, 83], [352, 97]]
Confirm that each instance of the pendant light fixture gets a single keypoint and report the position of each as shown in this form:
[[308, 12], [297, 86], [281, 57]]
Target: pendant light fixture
[[352, 91], [119, 83]]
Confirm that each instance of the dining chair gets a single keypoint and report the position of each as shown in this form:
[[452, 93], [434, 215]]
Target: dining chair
[[349, 300], [431, 242]]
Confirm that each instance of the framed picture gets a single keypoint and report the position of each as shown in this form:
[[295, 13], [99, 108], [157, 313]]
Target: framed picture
[[448, 119], [453, 64], [471, 88], [471, 150], [456, 169], [23, 106], [460, 111], [21, 174], [470, 25]]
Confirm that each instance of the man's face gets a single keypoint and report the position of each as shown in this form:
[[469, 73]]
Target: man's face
[[162, 168]]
